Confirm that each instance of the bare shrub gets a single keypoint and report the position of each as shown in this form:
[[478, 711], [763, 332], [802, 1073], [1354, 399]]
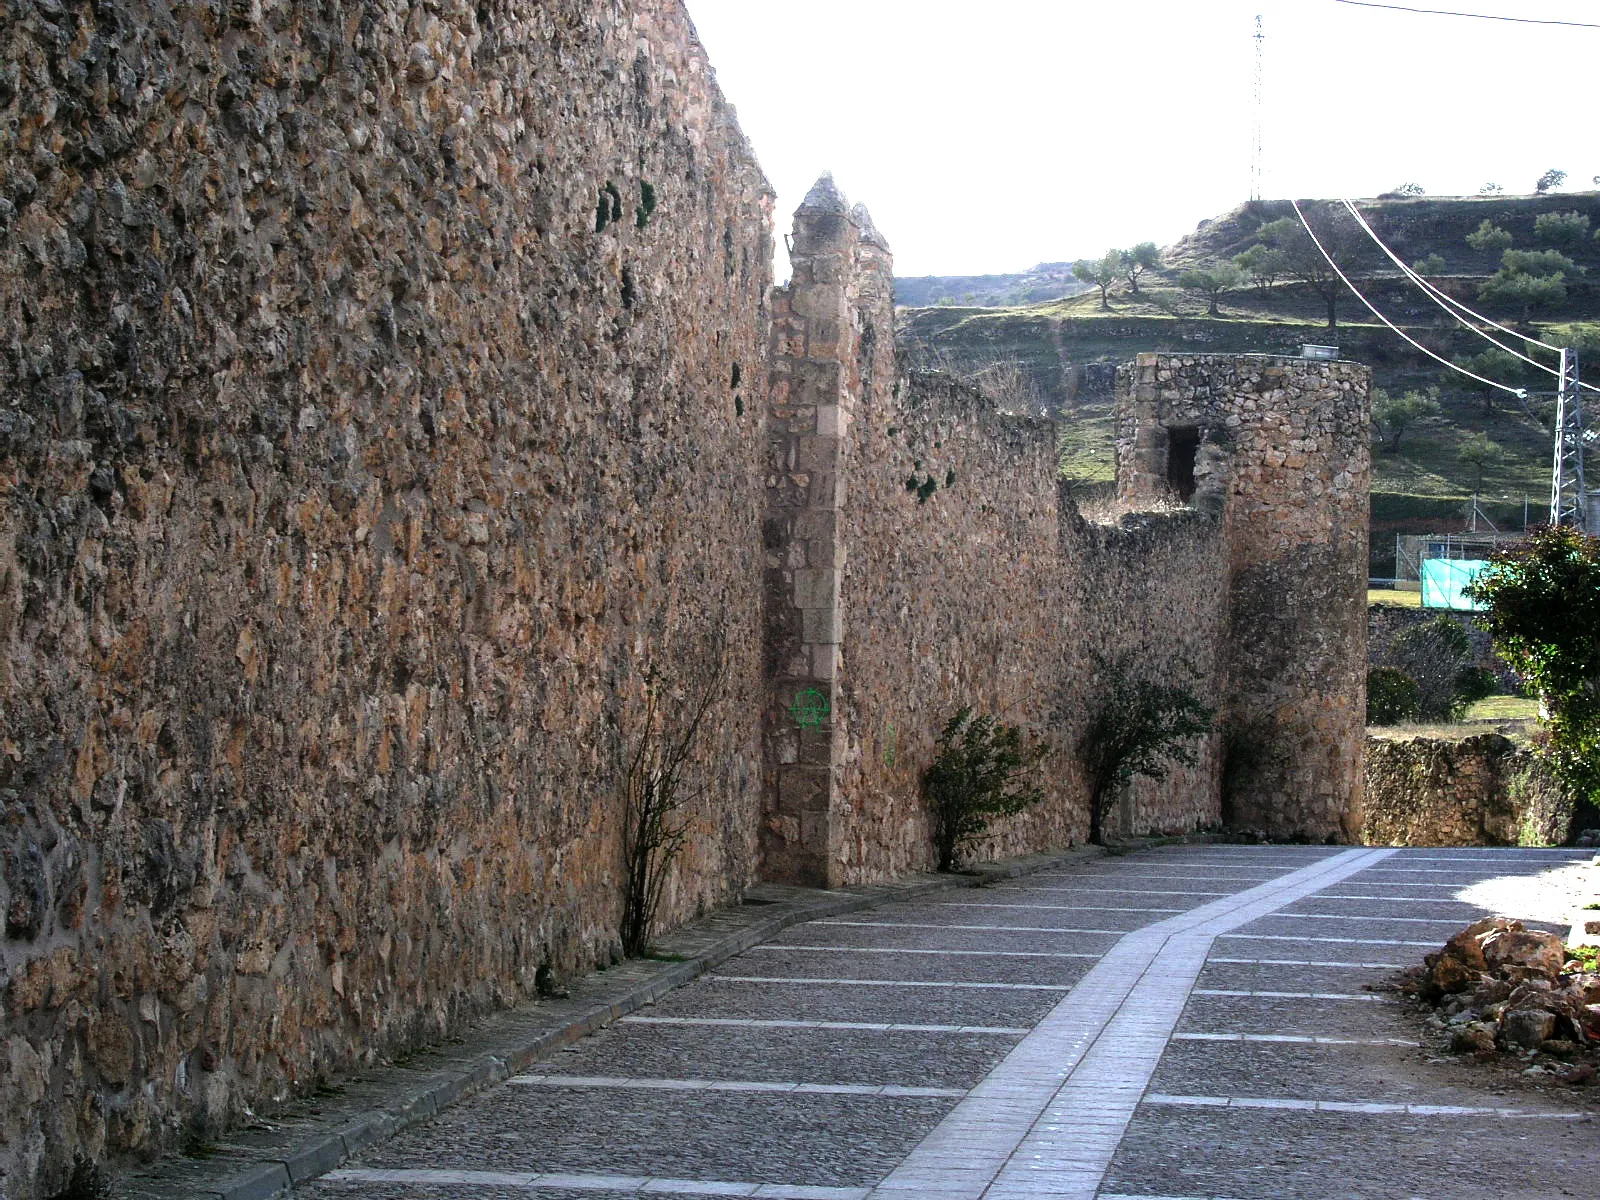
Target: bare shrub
[[658, 786]]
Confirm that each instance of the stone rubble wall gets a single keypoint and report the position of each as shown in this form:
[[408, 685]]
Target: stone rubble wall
[[1284, 459], [1477, 791], [350, 480], [921, 558], [988, 590]]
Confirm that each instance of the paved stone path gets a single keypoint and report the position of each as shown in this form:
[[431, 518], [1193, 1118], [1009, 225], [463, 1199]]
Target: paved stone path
[[1177, 1024]]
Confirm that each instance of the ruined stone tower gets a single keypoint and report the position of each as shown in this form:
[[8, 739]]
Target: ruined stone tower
[[1278, 449]]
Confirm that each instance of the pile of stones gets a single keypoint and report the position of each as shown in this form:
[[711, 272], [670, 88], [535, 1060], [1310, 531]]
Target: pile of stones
[[1500, 988]]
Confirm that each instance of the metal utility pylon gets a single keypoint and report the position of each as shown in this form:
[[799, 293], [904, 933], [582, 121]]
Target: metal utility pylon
[[1568, 494], [1255, 145]]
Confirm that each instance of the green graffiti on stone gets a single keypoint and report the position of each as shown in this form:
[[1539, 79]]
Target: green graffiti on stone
[[810, 708]]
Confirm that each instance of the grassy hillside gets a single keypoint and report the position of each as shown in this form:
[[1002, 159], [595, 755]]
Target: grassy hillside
[[1419, 486]]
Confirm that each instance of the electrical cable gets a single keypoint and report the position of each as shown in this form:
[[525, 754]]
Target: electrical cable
[[1444, 298], [1443, 12], [1373, 309], [1449, 303]]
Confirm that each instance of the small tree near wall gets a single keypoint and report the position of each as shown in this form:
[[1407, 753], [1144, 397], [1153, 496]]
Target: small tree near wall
[[980, 772], [658, 787], [1544, 615], [1139, 728]]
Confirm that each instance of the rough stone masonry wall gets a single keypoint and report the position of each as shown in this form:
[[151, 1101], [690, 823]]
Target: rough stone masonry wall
[[1477, 791], [1284, 457], [991, 591], [350, 478], [920, 559]]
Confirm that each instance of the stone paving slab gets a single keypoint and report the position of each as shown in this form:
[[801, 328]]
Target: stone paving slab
[[1314, 1072], [333, 1188], [658, 1133], [1253, 1154], [990, 917], [1283, 976], [814, 1056], [945, 1006], [972, 966], [887, 935], [315, 1136], [1268, 1015]]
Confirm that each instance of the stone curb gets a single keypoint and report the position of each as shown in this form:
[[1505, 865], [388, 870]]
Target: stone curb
[[326, 1149]]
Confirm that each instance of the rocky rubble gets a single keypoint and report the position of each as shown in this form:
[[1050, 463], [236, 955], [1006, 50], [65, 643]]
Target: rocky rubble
[[1500, 988]]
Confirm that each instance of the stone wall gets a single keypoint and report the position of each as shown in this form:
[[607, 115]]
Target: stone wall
[[980, 586], [920, 558], [375, 386], [1478, 791], [391, 400], [1279, 449]]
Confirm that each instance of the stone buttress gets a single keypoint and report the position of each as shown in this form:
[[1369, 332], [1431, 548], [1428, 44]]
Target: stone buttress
[[832, 338]]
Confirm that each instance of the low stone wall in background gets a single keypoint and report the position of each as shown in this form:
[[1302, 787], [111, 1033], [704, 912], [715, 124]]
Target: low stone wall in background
[[1478, 791]]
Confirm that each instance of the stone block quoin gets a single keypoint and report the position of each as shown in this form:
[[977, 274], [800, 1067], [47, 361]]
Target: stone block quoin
[[832, 340]]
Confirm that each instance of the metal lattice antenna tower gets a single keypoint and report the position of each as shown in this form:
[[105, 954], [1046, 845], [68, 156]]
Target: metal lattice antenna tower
[[1255, 147], [1568, 494]]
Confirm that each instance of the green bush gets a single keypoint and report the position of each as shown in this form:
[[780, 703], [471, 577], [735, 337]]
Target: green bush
[[1392, 696], [1544, 615], [1138, 727], [1489, 236], [977, 774], [1561, 229]]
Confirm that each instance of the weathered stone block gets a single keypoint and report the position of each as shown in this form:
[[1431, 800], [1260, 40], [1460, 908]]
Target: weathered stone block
[[820, 626], [814, 588]]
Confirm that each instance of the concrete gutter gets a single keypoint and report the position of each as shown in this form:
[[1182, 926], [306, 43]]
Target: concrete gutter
[[315, 1135]]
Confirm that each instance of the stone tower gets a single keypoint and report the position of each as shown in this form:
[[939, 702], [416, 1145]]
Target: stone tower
[[1279, 449]]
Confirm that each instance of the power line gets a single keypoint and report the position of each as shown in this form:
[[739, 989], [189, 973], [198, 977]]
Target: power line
[[1371, 307], [1450, 304], [1443, 12], [1441, 297]]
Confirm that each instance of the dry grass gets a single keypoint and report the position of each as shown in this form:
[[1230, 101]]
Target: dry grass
[[1394, 597], [1504, 708], [1104, 508]]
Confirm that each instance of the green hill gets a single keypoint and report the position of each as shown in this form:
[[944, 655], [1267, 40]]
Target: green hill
[[1057, 355], [1045, 282]]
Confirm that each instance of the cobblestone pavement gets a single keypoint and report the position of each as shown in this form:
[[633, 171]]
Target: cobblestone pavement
[[1180, 1023]]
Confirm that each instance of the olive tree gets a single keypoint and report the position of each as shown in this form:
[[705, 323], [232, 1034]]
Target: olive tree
[[1146, 256], [1102, 273], [1211, 280]]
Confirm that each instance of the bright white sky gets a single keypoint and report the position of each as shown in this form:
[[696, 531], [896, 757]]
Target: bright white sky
[[989, 135]]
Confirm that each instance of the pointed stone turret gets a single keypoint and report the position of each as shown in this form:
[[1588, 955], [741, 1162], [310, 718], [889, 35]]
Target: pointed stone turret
[[824, 196], [822, 224], [869, 232]]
